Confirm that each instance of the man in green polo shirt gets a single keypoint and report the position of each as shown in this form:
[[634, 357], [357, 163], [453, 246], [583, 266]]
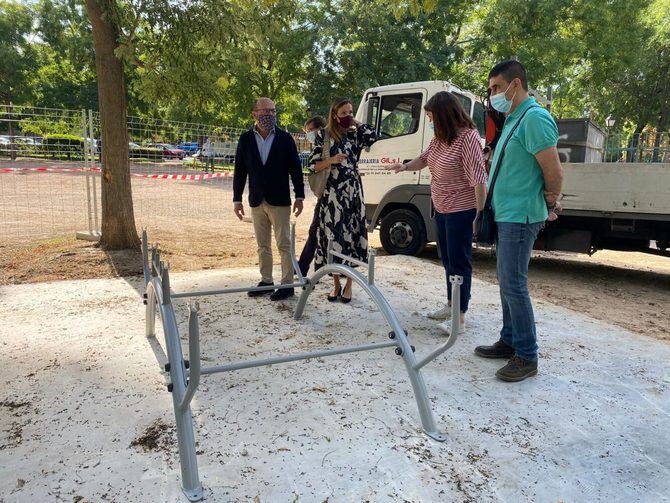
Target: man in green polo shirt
[[526, 190]]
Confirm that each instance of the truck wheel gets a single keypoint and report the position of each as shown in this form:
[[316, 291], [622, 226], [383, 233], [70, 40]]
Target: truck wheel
[[402, 233]]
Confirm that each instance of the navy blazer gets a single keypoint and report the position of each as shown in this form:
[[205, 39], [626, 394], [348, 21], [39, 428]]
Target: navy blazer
[[268, 181]]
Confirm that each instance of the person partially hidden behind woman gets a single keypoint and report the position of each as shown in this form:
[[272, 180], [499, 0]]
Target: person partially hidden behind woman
[[457, 188], [341, 209]]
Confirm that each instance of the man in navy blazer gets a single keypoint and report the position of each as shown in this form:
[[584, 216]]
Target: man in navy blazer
[[268, 156]]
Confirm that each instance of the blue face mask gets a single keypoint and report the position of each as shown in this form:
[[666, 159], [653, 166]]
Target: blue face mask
[[500, 103], [431, 125]]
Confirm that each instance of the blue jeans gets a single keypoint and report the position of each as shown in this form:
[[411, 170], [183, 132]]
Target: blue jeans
[[454, 237], [514, 244]]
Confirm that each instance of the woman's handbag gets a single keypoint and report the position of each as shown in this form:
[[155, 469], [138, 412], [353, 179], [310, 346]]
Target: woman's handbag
[[485, 224], [318, 179]]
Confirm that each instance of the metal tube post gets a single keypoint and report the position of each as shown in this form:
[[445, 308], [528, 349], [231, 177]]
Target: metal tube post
[[193, 356], [296, 266], [165, 283], [92, 162], [183, 418], [329, 258], [145, 257], [87, 175], [456, 282], [371, 266], [150, 324]]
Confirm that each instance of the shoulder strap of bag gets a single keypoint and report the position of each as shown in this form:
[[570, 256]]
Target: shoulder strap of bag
[[489, 196], [326, 145]]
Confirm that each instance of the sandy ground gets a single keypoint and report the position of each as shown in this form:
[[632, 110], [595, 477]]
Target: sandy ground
[[195, 226], [86, 416], [631, 290]]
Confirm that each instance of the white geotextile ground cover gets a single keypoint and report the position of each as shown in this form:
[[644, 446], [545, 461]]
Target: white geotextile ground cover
[[81, 384]]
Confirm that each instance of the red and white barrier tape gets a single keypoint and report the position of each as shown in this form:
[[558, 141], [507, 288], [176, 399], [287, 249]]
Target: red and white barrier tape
[[154, 176]]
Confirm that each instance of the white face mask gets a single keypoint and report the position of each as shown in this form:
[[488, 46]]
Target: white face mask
[[311, 136]]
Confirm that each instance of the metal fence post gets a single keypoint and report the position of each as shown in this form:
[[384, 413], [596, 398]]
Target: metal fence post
[[91, 201], [87, 174], [91, 137]]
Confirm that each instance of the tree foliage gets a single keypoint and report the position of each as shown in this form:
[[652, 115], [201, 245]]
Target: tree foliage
[[207, 60], [17, 53]]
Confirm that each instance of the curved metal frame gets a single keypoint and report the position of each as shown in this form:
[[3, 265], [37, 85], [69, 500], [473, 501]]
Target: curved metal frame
[[407, 351], [185, 381]]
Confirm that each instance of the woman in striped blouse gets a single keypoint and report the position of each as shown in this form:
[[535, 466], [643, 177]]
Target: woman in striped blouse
[[457, 188]]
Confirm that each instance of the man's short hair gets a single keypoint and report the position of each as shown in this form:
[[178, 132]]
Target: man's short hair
[[510, 70], [317, 121]]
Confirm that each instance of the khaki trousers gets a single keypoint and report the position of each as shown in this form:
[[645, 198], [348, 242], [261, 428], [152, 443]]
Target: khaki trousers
[[265, 217]]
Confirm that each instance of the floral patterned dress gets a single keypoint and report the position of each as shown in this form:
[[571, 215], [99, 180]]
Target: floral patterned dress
[[342, 211]]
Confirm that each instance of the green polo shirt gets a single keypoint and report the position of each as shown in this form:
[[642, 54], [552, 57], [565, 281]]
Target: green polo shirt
[[518, 195]]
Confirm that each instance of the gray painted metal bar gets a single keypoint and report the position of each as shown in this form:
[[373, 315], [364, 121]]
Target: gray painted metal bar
[[456, 282], [87, 175], [292, 358], [145, 256], [96, 227], [188, 460], [348, 259], [294, 261], [193, 356], [371, 266], [205, 293]]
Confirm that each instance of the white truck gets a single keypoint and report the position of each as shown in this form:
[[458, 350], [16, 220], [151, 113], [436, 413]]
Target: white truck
[[621, 206]]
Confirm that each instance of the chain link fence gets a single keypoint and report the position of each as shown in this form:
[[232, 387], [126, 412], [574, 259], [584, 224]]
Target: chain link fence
[[50, 168]]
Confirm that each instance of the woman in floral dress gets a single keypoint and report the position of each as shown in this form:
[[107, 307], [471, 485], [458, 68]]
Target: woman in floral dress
[[342, 214]]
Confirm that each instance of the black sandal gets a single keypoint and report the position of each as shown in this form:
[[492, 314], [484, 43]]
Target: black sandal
[[333, 298]]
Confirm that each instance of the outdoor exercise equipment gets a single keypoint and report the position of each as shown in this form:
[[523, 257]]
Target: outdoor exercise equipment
[[185, 374]]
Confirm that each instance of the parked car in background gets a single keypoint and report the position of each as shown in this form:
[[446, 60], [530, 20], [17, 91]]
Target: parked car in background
[[169, 151], [190, 147], [5, 145], [21, 141], [136, 151], [26, 140]]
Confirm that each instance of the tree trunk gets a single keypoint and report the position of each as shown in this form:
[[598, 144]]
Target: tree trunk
[[118, 219]]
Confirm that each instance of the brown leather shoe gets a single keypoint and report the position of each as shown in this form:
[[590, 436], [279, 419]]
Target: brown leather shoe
[[517, 369], [499, 350]]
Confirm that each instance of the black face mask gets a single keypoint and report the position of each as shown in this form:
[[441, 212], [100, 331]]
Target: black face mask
[[346, 122]]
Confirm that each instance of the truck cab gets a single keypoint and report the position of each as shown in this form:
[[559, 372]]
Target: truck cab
[[618, 206], [399, 204]]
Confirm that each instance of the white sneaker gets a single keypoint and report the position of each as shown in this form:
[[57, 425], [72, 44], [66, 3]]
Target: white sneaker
[[445, 326], [441, 314]]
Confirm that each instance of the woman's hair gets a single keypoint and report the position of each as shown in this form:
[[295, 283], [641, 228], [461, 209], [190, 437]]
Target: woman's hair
[[317, 121], [333, 127], [448, 116]]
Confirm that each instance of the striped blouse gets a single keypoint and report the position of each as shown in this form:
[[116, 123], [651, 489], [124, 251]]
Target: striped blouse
[[455, 170]]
